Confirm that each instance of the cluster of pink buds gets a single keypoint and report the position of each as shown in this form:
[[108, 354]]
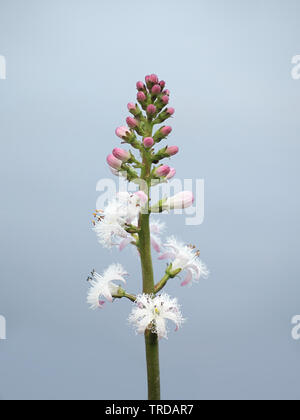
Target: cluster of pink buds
[[151, 109]]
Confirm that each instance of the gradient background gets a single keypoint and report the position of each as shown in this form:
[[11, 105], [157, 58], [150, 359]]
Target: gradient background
[[71, 69]]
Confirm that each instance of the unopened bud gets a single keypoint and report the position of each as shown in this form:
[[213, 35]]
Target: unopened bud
[[156, 90], [151, 109], [142, 196], [122, 132], [121, 154], [171, 174], [153, 78], [131, 106], [162, 133], [141, 97], [180, 201], [113, 162], [166, 130], [165, 99], [163, 171], [172, 150], [140, 86], [132, 122], [148, 142]]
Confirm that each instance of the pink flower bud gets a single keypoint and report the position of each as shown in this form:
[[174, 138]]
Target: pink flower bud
[[153, 79], [122, 131], [172, 150], [166, 130], [165, 99], [114, 162], [171, 174], [148, 142], [121, 154], [132, 122], [147, 79], [151, 109], [162, 84], [180, 201], [170, 111], [114, 171], [141, 97], [166, 92], [156, 90], [142, 196], [131, 106], [140, 86], [163, 171]]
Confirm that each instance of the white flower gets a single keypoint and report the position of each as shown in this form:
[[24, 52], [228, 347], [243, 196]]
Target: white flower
[[156, 229], [103, 286], [121, 211], [153, 312], [131, 205], [186, 258]]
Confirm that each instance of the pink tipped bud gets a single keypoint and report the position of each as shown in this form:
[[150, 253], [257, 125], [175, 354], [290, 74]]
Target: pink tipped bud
[[153, 78], [171, 174], [165, 99], [141, 97], [151, 109], [147, 79], [142, 196], [148, 142], [121, 154], [166, 131], [156, 90], [180, 201], [131, 106], [113, 162], [163, 171], [140, 86], [122, 131], [132, 122], [170, 111], [162, 84], [114, 171], [172, 150], [166, 92]]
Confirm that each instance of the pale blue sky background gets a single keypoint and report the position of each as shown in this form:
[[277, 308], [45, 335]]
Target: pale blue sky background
[[71, 69]]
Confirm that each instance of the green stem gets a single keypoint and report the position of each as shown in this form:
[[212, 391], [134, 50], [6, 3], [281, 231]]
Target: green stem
[[169, 275], [151, 339], [160, 285], [152, 357], [145, 252], [122, 294]]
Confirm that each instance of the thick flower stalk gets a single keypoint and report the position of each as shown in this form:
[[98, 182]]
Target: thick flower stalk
[[126, 221]]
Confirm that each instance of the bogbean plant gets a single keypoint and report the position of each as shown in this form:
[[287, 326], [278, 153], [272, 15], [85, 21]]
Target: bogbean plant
[[127, 220]]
